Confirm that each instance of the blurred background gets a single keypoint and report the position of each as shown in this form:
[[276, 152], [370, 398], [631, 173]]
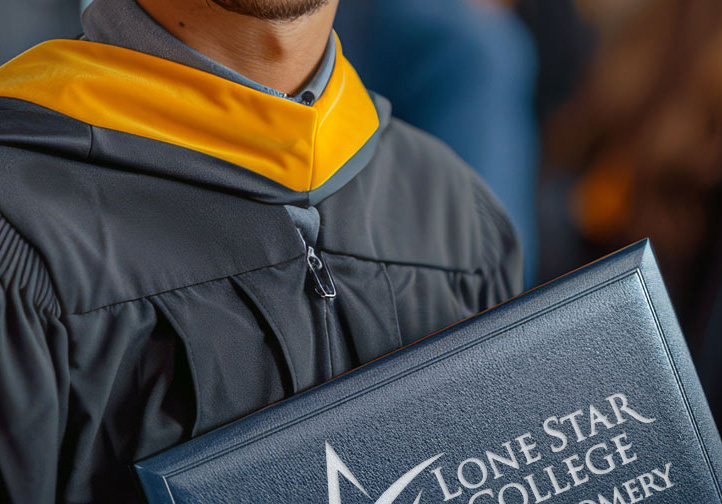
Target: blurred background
[[596, 123]]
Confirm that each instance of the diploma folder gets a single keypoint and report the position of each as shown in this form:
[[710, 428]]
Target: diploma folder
[[581, 391]]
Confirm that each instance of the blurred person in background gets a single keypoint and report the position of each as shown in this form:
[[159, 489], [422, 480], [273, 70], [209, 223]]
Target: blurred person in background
[[642, 142], [24, 23], [564, 44], [463, 70]]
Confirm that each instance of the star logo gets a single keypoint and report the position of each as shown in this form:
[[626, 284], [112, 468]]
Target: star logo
[[335, 467]]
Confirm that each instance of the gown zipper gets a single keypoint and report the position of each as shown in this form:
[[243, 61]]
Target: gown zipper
[[322, 277], [325, 288], [321, 274]]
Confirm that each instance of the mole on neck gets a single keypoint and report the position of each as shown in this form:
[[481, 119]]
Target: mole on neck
[[282, 53]]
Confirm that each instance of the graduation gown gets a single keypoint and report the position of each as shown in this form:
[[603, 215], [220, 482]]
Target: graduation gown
[[153, 285]]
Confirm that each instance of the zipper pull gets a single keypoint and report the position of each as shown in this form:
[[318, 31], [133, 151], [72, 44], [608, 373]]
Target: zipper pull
[[321, 274]]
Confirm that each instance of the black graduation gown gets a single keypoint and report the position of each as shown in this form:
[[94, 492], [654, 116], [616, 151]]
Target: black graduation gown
[[150, 292]]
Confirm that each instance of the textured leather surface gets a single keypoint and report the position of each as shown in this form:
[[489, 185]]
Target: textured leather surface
[[486, 386]]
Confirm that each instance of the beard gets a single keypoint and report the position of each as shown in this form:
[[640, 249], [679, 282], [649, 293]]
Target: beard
[[272, 10]]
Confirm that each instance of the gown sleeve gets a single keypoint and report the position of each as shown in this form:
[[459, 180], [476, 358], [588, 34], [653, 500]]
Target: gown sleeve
[[34, 374], [502, 250]]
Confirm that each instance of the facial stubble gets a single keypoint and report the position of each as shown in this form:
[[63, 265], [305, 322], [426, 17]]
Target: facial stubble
[[272, 10]]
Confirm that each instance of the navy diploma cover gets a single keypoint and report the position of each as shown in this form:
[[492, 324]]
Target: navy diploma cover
[[581, 391]]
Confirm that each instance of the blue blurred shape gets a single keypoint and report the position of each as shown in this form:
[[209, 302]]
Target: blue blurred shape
[[464, 72]]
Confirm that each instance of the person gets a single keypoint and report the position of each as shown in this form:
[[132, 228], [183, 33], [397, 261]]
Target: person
[[464, 71], [204, 211], [641, 144]]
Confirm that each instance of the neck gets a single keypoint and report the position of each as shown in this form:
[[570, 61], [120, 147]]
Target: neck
[[282, 55]]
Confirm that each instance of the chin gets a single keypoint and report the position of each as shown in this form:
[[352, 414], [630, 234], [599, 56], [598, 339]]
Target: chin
[[272, 10]]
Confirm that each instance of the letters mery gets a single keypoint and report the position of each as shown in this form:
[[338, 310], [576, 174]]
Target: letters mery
[[474, 480]]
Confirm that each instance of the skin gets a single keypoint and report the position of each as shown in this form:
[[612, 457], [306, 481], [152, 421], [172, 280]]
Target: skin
[[278, 43]]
